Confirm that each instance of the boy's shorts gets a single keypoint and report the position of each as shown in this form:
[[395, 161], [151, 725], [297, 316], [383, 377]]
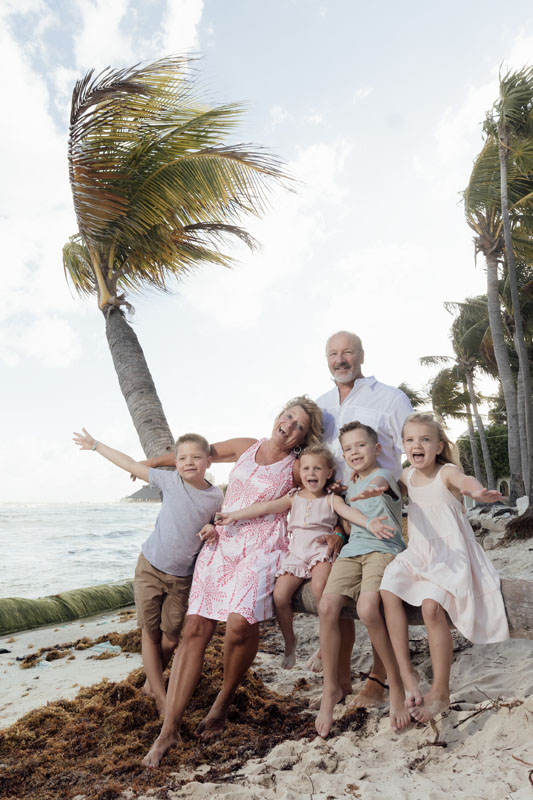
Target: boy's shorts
[[355, 574], [161, 599]]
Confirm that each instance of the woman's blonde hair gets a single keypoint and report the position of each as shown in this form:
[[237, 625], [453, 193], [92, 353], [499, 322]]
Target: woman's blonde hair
[[449, 454], [314, 412]]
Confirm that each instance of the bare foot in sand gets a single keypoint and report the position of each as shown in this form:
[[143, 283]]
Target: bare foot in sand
[[163, 742], [413, 695], [324, 720], [433, 703], [289, 657], [314, 662], [372, 694], [400, 716], [213, 724], [315, 704]]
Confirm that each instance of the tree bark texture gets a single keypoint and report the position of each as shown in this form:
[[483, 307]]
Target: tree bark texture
[[520, 402], [137, 385], [505, 374], [520, 342], [473, 443], [489, 472]]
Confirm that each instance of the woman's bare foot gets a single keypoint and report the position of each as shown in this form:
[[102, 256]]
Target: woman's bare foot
[[289, 657], [213, 724], [400, 716], [433, 703], [324, 720], [163, 742], [314, 662], [372, 694]]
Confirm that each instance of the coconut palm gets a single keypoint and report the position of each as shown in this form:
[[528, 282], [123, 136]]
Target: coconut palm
[[156, 190], [416, 398], [482, 199], [511, 121]]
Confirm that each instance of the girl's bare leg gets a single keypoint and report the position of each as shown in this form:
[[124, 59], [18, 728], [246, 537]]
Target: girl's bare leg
[[369, 612], [240, 648], [330, 642], [184, 676], [441, 652], [399, 635], [284, 589]]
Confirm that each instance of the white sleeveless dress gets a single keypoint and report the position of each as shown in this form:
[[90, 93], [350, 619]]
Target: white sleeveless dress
[[444, 562]]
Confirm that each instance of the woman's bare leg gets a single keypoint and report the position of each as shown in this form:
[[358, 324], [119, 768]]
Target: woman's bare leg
[[240, 648], [399, 635], [441, 652], [184, 676], [284, 589], [369, 612]]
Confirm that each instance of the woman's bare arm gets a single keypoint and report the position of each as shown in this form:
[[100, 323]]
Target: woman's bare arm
[[230, 449]]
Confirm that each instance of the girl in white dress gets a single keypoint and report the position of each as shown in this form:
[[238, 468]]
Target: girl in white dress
[[443, 569]]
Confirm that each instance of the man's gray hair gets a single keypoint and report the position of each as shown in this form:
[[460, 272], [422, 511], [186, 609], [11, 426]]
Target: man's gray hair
[[353, 336]]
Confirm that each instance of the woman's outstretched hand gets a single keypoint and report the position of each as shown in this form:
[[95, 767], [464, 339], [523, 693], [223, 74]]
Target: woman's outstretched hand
[[483, 495], [84, 440], [208, 534]]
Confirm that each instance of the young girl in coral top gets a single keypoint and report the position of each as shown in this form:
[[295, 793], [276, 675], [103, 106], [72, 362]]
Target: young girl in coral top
[[443, 569], [313, 515]]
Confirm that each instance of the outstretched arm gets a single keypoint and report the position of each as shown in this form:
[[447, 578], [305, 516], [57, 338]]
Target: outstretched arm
[[470, 486], [255, 510], [88, 442], [374, 524]]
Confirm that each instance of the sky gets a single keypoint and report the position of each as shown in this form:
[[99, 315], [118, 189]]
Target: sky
[[375, 108]]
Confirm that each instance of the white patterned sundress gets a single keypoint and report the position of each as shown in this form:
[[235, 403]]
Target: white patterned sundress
[[237, 573], [444, 562]]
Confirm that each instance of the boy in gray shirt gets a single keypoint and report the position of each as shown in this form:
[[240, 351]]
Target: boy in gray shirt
[[163, 575]]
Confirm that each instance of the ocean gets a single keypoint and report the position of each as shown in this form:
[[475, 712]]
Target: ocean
[[50, 548]]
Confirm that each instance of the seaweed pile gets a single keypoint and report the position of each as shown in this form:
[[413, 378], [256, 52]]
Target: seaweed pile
[[93, 745]]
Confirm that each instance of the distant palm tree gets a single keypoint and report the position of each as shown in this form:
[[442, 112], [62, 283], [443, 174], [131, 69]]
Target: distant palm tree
[[156, 191], [511, 122], [416, 398], [482, 199]]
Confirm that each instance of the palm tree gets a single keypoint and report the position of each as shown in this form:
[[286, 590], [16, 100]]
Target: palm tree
[[511, 121], [482, 199], [156, 191], [416, 398]]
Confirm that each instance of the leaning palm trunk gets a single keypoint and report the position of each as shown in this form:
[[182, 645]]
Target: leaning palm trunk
[[522, 422], [473, 442], [489, 472], [137, 385], [519, 339], [505, 374]]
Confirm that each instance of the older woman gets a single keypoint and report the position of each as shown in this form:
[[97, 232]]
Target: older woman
[[234, 577]]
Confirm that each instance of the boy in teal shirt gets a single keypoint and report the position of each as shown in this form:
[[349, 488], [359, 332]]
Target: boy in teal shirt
[[356, 575]]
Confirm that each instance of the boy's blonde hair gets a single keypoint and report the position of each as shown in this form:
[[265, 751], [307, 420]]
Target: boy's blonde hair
[[449, 453], [196, 439], [356, 425]]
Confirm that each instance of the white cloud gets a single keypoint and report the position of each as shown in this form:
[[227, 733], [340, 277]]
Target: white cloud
[[49, 340], [180, 25], [278, 114], [314, 118], [362, 93], [101, 42]]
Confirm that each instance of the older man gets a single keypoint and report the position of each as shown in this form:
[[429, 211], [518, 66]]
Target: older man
[[385, 409]]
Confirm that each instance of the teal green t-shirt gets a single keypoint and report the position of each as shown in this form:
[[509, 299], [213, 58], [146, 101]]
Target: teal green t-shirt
[[363, 541]]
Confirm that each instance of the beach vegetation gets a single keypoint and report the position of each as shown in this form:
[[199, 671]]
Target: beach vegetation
[[158, 190]]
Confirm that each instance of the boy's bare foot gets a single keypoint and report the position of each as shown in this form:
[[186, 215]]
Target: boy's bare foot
[[314, 662], [400, 717], [372, 694], [289, 658], [163, 742], [324, 720], [433, 703]]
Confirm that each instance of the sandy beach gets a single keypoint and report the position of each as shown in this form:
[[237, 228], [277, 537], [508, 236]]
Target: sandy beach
[[482, 749]]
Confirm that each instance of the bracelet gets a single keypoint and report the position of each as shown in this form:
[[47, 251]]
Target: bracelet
[[342, 536], [95, 445], [369, 520]]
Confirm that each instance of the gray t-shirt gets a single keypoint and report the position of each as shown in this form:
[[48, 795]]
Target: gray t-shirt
[[173, 545]]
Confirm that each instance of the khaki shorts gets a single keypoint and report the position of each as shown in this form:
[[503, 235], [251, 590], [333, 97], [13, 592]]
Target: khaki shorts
[[161, 599], [356, 574]]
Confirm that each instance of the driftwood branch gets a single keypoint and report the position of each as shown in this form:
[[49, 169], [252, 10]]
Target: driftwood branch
[[517, 597]]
